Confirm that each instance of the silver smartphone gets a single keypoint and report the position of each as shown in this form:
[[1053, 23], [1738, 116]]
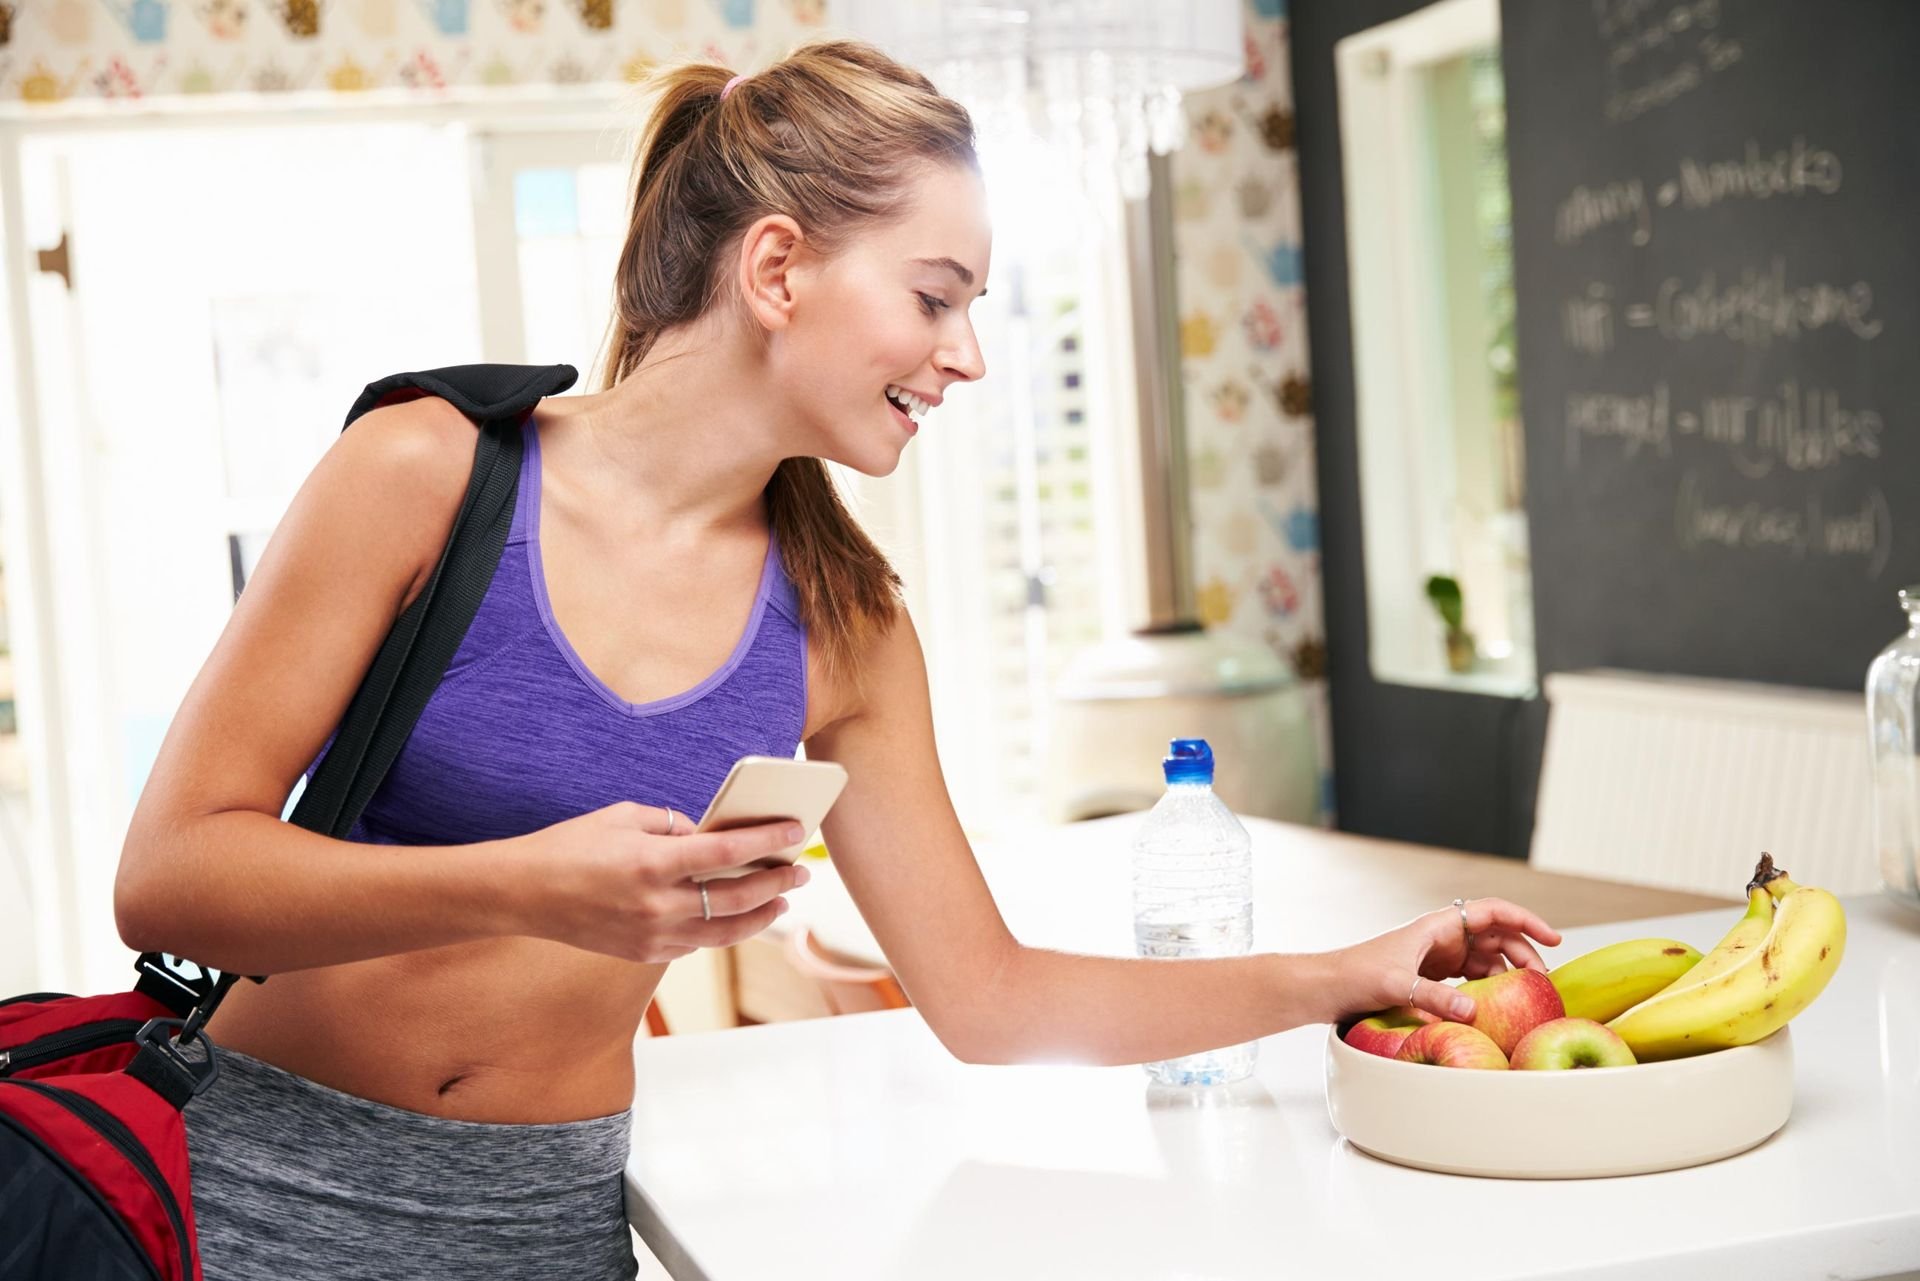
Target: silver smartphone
[[766, 789]]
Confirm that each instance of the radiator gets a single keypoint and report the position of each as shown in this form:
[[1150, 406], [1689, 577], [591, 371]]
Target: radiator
[[1681, 783]]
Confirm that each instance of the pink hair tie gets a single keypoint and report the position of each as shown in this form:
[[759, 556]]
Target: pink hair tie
[[729, 89]]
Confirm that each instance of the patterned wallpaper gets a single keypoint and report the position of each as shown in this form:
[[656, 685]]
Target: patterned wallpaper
[[58, 50], [1243, 327], [1243, 336]]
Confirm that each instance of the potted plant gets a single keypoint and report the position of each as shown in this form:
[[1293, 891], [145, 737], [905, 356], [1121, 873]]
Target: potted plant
[[1444, 591]]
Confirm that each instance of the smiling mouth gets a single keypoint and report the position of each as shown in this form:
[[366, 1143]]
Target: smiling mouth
[[905, 405], [902, 417]]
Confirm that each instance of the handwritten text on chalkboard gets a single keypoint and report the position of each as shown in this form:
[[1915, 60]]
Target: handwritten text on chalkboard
[[1862, 529], [1755, 308], [1793, 170], [1799, 428], [1658, 52]]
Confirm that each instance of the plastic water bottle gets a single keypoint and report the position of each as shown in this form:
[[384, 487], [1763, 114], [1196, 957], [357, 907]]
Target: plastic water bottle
[[1193, 893]]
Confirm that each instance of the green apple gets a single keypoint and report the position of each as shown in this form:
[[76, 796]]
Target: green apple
[[1571, 1043]]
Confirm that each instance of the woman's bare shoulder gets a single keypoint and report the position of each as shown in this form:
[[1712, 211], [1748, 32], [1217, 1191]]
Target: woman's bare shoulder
[[888, 666], [421, 448]]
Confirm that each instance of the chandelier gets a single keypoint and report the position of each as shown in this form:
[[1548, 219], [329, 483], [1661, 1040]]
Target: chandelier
[[1097, 82]]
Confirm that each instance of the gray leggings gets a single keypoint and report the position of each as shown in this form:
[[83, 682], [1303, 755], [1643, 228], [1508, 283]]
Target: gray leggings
[[294, 1181]]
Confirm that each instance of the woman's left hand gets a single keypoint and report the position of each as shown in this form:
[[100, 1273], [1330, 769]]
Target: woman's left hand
[[1406, 965]]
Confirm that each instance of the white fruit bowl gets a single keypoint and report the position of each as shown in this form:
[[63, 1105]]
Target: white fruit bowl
[[1576, 1124]]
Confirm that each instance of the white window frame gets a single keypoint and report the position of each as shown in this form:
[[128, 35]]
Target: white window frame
[[1403, 365]]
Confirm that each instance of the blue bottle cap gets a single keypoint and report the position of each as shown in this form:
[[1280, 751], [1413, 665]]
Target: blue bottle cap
[[1189, 760]]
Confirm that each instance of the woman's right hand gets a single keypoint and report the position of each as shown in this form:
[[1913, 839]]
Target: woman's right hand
[[614, 880]]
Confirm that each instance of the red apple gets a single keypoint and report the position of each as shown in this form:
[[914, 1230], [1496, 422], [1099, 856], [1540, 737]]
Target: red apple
[[1451, 1045], [1382, 1033], [1509, 1005], [1571, 1043]]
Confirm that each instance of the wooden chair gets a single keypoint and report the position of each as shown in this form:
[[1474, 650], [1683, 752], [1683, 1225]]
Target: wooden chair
[[847, 989]]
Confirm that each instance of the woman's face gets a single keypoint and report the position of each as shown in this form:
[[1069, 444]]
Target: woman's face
[[883, 322]]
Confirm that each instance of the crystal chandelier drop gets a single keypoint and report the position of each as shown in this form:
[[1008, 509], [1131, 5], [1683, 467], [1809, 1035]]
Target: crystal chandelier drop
[[1097, 82]]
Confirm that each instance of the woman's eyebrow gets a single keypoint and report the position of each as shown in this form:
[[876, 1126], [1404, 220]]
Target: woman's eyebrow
[[966, 277]]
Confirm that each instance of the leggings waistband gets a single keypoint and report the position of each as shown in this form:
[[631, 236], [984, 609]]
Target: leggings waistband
[[354, 1142], [297, 1181]]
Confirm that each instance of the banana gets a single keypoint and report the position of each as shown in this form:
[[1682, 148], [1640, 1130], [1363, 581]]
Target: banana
[[1748, 933], [1609, 981], [1756, 986]]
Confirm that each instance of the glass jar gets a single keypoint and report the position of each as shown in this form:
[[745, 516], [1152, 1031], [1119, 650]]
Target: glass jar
[[1893, 715]]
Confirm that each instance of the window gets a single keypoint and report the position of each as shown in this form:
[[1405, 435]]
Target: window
[[1423, 144], [549, 222], [238, 290], [1005, 516]]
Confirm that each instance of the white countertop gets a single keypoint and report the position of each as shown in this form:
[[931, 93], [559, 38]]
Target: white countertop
[[857, 1148]]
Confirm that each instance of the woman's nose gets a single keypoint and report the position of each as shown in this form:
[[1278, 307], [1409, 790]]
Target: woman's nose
[[963, 360]]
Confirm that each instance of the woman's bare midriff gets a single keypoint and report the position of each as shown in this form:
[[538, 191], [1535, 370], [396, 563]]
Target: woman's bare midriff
[[506, 1030], [513, 1030]]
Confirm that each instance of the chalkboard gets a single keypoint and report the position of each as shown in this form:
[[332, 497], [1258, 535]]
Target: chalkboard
[[1716, 209]]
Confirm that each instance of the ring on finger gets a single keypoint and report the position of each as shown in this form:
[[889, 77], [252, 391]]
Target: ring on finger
[[1410, 988], [1460, 905], [706, 907], [669, 831]]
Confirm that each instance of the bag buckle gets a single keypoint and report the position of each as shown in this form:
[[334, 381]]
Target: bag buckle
[[201, 1072]]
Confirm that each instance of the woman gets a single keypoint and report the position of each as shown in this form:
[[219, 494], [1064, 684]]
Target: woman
[[439, 1073]]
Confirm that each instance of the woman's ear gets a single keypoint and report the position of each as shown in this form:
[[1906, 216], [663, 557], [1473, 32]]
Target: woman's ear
[[772, 254]]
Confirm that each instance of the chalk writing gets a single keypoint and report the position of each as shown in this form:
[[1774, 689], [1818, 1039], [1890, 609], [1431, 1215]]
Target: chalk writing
[[1684, 38], [1586, 322], [1638, 422], [1861, 527], [1634, 27], [1795, 170], [1799, 428], [1760, 307], [1754, 309], [1588, 209]]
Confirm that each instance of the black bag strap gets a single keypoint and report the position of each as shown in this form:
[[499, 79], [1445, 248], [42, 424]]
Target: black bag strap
[[422, 641]]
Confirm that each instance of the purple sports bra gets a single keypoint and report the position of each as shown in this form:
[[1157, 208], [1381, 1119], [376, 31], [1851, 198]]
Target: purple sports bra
[[520, 735]]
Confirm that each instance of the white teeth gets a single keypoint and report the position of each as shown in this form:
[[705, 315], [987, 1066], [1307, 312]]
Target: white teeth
[[914, 405]]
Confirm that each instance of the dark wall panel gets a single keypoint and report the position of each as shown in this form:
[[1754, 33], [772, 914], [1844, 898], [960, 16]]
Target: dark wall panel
[[1416, 764]]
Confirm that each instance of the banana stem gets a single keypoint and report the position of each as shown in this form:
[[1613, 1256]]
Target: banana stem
[[1764, 872]]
